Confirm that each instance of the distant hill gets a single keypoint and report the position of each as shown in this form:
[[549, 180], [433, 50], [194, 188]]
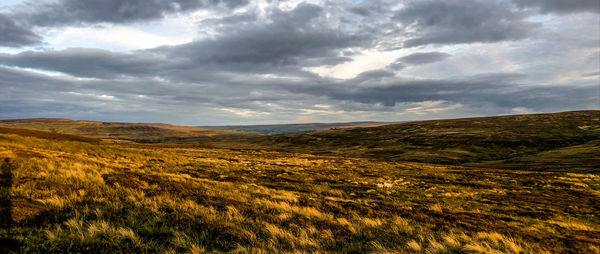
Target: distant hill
[[274, 129], [568, 141], [143, 132], [47, 135], [535, 141]]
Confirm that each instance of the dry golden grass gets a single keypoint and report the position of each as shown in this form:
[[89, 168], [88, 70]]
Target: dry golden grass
[[119, 197]]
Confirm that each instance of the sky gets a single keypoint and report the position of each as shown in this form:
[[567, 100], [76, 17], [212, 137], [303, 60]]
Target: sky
[[218, 62]]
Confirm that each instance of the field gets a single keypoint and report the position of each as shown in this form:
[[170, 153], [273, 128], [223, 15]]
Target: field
[[65, 193]]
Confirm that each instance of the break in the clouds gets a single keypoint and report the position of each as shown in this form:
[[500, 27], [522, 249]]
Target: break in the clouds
[[297, 61]]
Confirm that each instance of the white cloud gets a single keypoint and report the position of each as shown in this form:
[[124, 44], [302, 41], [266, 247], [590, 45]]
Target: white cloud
[[116, 37], [366, 61], [426, 107], [523, 110], [245, 112]]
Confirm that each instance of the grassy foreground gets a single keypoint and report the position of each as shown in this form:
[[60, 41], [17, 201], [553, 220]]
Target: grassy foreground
[[64, 194]]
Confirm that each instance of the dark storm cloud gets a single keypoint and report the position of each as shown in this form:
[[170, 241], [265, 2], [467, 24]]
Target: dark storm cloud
[[14, 35], [561, 6], [462, 21], [75, 12]]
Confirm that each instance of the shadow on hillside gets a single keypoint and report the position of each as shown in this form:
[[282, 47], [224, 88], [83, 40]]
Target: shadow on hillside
[[7, 243]]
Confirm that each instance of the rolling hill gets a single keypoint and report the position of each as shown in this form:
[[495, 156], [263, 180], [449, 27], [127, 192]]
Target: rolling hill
[[567, 141], [141, 132], [510, 141], [275, 129], [67, 194]]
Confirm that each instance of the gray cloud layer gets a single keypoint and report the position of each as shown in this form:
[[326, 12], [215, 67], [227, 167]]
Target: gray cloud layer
[[85, 62], [462, 21], [16, 27], [561, 6], [419, 59], [423, 58], [256, 64], [289, 41], [15, 35], [76, 12]]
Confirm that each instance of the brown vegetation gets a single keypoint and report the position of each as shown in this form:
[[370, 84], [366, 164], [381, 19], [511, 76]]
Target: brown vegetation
[[568, 141], [70, 195], [146, 132]]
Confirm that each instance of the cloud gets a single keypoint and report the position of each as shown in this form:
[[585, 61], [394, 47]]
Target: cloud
[[418, 59], [299, 37], [500, 91], [285, 44], [423, 58], [85, 62], [370, 76], [256, 63], [15, 35], [561, 6], [462, 21], [261, 97], [78, 12], [370, 8], [591, 74], [16, 25]]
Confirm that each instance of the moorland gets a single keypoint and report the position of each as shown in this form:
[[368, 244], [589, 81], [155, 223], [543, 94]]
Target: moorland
[[509, 184]]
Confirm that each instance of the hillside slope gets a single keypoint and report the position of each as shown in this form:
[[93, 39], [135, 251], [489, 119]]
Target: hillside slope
[[577, 158], [275, 129], [559, 141], [143, 132], [61, 195], [444, 141]]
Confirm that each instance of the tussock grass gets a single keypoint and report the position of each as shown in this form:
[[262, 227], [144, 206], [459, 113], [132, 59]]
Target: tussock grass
[[75, 196]]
